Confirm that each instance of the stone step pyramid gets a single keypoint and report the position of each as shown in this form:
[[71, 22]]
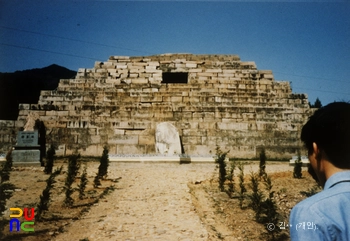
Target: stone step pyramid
[[211, 100]]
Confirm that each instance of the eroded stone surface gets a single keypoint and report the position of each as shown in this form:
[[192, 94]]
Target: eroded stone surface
[[25, 155], [167, 139], [27, 138]]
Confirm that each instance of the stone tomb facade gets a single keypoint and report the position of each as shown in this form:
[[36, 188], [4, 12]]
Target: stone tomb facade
[[212, 100]]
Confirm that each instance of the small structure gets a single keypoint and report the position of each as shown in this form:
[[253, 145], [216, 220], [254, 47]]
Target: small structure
[[27, 148]]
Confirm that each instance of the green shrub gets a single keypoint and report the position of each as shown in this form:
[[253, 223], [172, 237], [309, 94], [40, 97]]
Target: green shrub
[[97, 181], [256, 197], [243, 190], [45, 197], [104, 163], [230, 178], [73, 168], [270, 207], [297, 172], [50, 156], [262, 163], [220, 160], [83, 183], [103, 167]]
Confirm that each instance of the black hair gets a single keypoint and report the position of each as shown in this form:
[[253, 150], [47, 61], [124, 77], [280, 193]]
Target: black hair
[[329, 128]]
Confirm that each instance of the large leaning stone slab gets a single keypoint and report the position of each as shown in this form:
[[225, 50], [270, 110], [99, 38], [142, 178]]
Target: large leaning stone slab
[[167, 139], [26, 156]]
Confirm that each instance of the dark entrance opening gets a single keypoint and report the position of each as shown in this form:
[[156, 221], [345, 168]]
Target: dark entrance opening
[[175, 78]]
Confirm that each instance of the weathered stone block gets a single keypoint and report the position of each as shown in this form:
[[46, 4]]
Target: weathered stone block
[[123, 139], [195, 132], [124, 125], [199, 149], [27, 138], [147, 140], [232, 126], [7, 123], [131, 149], [191, 65], [142, 125], [119, 132], [195, 71], [162, 115], [206, 74], [25, 156], [213, 70], [139, 81]]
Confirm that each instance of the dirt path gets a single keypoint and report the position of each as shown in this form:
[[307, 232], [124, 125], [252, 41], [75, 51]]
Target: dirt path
[[152, 202]]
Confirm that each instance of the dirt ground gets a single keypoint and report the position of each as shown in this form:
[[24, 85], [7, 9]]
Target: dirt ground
[[152, 201]]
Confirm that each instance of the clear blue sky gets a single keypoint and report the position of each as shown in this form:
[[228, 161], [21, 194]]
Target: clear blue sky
[[305, 43]]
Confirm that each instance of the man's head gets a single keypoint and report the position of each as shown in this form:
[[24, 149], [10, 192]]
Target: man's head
[[327, 137]]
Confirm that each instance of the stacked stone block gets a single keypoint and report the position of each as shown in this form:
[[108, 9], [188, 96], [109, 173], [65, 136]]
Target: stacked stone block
[[225, 102]]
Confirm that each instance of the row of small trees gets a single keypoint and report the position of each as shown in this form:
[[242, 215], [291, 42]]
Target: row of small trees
[[264, 207], [74, 164], [260, 201]]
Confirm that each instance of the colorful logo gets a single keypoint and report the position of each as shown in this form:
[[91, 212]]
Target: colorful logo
[[23, 225]]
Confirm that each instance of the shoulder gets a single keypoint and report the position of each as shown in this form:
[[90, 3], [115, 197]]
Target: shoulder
[[305, 221], [309, 207], [326, 211], [322, 202]]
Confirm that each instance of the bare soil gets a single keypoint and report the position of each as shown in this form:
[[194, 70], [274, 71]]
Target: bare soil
[[152, 201]]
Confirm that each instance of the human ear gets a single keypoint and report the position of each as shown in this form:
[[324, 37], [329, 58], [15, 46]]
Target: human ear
[[316, 151]]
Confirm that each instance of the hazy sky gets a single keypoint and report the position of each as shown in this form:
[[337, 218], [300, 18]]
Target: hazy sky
[[305, 43]]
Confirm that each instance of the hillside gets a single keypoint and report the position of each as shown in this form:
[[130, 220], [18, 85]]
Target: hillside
[[25, 86]]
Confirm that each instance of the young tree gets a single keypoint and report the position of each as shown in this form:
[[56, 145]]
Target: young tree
[[270, 214], [45, 197], [317, 103], [97, 181], [262, 163], [230, 177], [103, 167], [83, 183], [270, 207], [104, 163], [297, 172], [256, 197], [220, 160], [50, 155], [243, 190], [73, 168]]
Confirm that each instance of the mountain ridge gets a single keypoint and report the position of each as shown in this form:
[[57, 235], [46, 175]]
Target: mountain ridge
[[24, 86]]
